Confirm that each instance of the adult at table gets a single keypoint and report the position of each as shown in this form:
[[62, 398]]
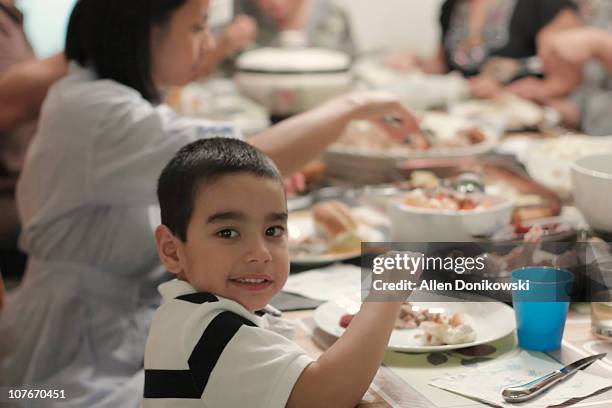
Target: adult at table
[[481, 36], [14, 48], [87, 196], [18, 110], [588, 108], [586, 51], [323, 23]]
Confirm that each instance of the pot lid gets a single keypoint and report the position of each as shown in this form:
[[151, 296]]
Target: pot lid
[[293, 61]]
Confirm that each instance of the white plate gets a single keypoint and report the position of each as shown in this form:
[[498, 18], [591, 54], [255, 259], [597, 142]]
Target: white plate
[[491, 321], [509, 111], [369, 165], [301, 224]]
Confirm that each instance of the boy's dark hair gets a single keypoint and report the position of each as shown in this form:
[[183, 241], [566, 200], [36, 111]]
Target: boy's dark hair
[[202, 163], [113, 37]]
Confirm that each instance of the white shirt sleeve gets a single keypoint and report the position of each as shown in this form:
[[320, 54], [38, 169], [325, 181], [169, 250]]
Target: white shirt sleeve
[[136, 141], [240, 365]]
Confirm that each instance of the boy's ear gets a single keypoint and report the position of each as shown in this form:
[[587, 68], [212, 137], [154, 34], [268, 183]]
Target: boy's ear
[[168, 249]]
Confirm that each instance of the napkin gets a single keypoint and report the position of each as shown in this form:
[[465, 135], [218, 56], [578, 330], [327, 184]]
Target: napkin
[[325, 283], [289, 302], [485, 382]]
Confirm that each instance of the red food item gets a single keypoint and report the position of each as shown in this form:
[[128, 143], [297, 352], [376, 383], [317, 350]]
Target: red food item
[[467, 204], [440, 195], [346, 319], [521, 229]]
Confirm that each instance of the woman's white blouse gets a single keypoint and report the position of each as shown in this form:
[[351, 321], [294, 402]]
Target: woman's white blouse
[[87, 201]]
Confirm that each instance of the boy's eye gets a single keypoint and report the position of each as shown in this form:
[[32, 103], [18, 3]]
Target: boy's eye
[[227, 233], [275, 231]]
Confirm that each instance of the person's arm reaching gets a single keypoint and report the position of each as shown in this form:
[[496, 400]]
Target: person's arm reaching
[[23, 88], [577, 47], [566, 19], [294, 142], [564, 56], [342, 374], [408, 61], [236, 36]]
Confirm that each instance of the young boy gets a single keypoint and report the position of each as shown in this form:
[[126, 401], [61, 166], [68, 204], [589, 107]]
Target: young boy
[[224, 236]]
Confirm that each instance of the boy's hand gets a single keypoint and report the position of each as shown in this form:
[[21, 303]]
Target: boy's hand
[[395, 275], [342, 374]]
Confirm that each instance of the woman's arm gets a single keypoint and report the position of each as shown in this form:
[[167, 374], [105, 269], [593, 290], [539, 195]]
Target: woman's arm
[[435, 64], [563, 56], [23, 88], [566, 19], [560, 80], [603, 48], [295, 141], [236, 36], [407, 61]]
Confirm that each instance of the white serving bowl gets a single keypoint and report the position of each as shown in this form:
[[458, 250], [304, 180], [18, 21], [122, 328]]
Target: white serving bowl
[[592, 190], [413, 224], [549, 161], [293, 80]]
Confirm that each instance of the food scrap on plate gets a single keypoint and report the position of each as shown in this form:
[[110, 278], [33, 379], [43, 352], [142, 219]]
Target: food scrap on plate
[[436, 328]]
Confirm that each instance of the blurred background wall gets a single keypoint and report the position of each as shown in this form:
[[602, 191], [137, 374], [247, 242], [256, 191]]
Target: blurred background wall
[[378, 25], [45, 24]]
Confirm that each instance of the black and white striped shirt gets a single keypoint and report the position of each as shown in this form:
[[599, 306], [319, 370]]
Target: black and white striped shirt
[[207, 351]]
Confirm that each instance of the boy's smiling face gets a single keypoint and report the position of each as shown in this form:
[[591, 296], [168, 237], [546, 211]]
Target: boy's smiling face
[[236, 243]]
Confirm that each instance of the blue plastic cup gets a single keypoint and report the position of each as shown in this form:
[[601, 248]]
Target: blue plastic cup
[[541, 310]]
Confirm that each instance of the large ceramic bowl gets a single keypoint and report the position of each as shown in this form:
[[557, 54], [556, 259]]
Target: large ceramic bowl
[[549, 161], [414, 224], [292, 80], [592, 189]]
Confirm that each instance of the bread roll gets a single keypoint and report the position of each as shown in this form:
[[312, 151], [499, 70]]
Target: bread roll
[[334, 218]]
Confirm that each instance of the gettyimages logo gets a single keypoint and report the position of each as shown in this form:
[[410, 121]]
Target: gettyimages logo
[[479, 271]]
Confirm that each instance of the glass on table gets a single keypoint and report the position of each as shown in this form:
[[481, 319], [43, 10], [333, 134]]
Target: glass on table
[[601, 319]]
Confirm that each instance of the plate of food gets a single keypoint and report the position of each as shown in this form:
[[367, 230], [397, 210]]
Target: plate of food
[[428, 326], [332, 231], [511, 112], [444, 136], [366, 153]]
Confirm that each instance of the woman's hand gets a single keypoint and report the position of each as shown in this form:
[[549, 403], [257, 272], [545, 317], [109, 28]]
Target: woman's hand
[[294, 142], [384, 109], [556, 85], [238, 34], [530, 88], [484, 86], [402, 62], [295, 184]]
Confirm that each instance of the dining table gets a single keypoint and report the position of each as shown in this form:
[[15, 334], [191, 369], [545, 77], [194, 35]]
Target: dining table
[[409, 389], [403, 378]]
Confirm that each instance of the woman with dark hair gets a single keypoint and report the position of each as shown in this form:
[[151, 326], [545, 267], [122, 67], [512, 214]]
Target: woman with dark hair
[[496, 36], [87, 200]]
